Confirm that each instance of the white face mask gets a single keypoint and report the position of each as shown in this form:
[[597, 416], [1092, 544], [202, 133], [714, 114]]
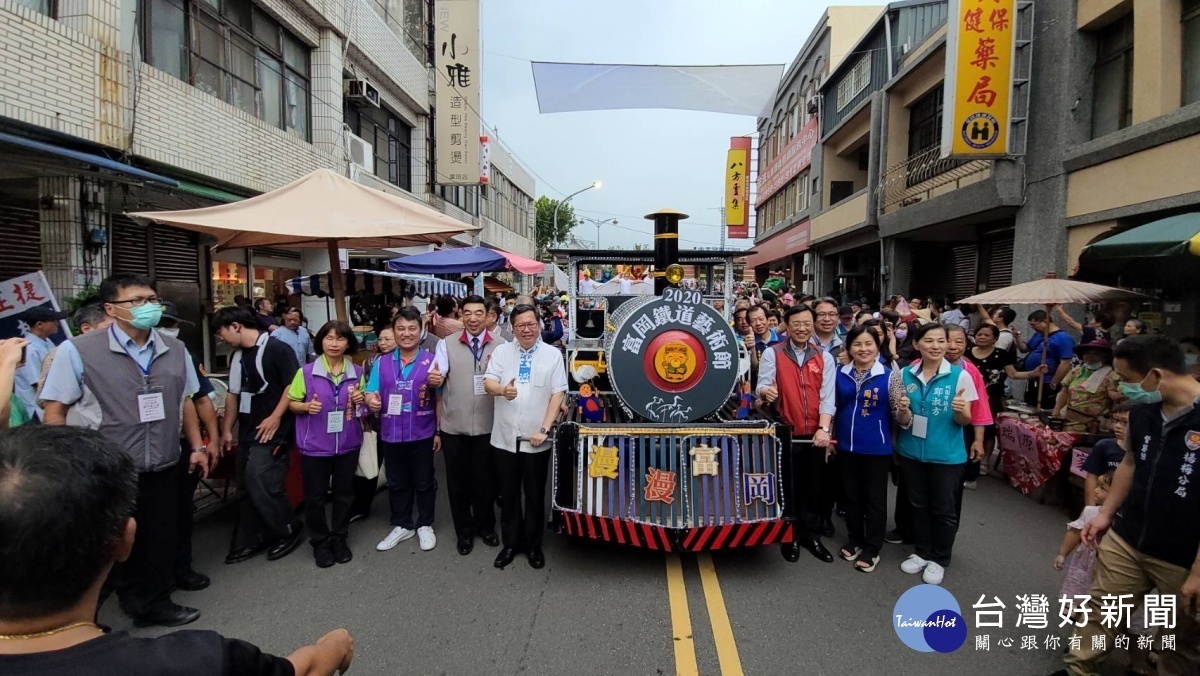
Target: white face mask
[[171, 333], [1094, 365]]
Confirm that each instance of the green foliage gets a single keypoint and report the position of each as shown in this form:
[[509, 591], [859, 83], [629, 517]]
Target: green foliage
[[547, 235]]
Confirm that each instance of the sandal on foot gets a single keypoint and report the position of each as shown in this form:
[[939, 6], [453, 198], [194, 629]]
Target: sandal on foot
[[866, 565], [849, 553]]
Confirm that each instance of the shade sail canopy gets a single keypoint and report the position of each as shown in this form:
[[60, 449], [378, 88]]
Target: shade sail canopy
[[376, 282], [465, 260], [312, 212], [1051, 291], [739, 90], [1174, 236]]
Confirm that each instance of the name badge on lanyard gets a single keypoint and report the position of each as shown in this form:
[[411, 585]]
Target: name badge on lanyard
[[479, 388], [334, 422], [395, 404], [151, 408], [244, 400]]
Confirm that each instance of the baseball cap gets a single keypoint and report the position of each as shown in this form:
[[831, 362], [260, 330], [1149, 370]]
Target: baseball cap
[[170, 313], [41, 313]]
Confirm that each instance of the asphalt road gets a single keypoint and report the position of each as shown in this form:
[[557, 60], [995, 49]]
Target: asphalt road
[[599, 609]]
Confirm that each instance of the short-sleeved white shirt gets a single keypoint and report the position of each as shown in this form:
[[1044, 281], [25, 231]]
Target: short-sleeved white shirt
[[523, 416]]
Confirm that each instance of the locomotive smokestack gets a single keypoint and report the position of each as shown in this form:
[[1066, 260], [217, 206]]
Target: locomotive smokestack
[[666, 244]]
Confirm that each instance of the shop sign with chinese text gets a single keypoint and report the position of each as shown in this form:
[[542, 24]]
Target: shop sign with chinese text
[[980, 53], [793, 160], [456, 93], [737, 188]]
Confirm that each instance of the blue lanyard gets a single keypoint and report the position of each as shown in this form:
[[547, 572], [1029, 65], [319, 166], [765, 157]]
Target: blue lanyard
[[145, 371], [477, 355], [404, 371]]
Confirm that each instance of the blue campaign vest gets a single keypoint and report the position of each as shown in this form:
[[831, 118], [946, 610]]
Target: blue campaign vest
[[863, 421], [944, 442]]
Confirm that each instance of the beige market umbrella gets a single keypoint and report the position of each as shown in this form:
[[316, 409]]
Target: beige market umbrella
[[1050, 291], [321, 210]]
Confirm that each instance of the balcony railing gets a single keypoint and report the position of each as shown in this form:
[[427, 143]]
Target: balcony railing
[[924, 175]]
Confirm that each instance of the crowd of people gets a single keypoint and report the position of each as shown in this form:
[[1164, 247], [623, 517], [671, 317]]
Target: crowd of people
[[907, 392]]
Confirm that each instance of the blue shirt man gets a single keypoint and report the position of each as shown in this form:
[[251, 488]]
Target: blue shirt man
[[43, 322], [295, 336]]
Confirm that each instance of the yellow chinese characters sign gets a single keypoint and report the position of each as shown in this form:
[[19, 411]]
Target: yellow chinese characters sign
[[737, 188], [980, 49]]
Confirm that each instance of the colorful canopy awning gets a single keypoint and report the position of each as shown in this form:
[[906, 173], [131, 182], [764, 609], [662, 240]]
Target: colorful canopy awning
[[376, 282], [465, 260], [1174, 236]]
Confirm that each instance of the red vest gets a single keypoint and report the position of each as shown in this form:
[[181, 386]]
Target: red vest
[[799, 388]]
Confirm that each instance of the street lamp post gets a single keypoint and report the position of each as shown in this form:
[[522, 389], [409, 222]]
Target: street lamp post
[[597, 222], [595, 184]]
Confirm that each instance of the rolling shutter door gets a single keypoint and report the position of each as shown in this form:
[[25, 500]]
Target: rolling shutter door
[[176, 256], [21, 232], [130, 249], [965, 270], [1000, 263]]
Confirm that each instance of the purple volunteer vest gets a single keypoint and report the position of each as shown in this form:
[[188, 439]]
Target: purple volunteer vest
[[418, 420], [311, 430]]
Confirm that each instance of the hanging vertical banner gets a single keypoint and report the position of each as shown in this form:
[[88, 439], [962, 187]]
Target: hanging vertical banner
[[485, 160], [456, 92], [977, 103], [737, 188]]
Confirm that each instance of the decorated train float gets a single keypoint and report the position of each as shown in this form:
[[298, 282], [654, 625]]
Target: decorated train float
[[660, 448]]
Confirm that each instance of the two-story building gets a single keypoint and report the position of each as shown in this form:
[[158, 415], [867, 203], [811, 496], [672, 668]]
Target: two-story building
[[110, 106], [789, 187]]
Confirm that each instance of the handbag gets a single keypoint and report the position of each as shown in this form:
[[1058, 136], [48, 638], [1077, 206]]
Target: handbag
[[368, 456]]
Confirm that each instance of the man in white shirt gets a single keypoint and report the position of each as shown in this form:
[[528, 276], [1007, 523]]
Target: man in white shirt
[[43, 322], [587, 286], [625, 283], [529, 381]]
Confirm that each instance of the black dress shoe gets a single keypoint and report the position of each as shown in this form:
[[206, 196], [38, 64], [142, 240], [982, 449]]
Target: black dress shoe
[[817, 549], [285, 545], [791, 551], [505, 557], [490, 539], [827, 528], [465, 545], [189, 580], [167, 614], [323, 554], [245, 553], [536, 558], [341, 550]]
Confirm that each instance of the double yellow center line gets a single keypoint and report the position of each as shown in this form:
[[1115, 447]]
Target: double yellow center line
[[681, 620]]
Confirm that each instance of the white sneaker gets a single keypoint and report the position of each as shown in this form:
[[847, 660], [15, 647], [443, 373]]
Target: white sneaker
[[394, 538], [913, 564], [428, 539], [933, 574], [970, 485]]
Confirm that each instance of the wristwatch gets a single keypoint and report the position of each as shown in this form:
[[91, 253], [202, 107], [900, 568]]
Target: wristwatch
[[543, 431], [824, 428], [199, 450]]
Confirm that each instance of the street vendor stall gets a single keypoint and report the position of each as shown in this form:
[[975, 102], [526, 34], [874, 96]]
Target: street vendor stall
[[1032, 452]]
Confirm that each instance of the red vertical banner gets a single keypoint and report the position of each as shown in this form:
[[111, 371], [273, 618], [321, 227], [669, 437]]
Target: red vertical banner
[[737, 188]]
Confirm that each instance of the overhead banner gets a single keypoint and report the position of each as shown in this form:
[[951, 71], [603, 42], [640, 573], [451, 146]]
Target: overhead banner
[[980, 53], [793, 160], [737, 188], [456, 92]]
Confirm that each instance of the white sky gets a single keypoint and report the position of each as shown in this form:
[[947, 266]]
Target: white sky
[[646, 159]]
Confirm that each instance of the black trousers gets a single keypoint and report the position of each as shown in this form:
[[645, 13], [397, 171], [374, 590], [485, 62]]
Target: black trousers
[[933, 490], [522, 472], [903, 511], [1049, 395], [265, 514], [470, 483], [814, 486], [864, 495], [328, 479], [184, 511], [146, 579], [410, 478]]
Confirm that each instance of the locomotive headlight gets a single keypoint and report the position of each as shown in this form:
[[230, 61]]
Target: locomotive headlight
[[674, 274]]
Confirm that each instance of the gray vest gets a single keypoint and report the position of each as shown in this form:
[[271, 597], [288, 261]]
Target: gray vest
[[464, 412], [115, 379]]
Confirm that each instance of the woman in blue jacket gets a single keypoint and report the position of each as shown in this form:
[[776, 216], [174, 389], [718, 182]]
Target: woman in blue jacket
[[932, 412], [863, 433]]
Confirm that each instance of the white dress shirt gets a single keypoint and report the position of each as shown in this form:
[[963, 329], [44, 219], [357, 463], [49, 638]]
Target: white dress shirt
[[544, 376]]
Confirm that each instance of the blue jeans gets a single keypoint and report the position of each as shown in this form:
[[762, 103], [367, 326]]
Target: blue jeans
[[409, 467]]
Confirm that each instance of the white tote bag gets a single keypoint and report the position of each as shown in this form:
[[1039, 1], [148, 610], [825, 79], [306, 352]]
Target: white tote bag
[[368, 456]]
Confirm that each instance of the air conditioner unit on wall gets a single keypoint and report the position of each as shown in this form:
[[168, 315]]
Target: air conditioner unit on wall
[[814, 104], [361, 153], [361, 93]]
